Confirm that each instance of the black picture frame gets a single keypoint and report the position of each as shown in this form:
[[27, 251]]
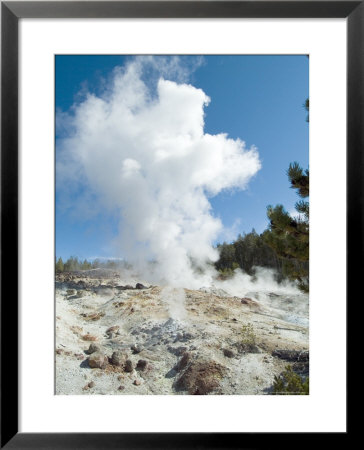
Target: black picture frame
[[11, 12]]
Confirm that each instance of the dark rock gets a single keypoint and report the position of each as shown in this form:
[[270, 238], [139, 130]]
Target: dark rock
[[92, 349], [137, 382], [228, 353], [98, 360], [118, 358], [247, 347], [136, 348], [183, 362], [121, 388], [140, 286], [171, 373], [91, 384], [128, 367], [292, 355], [200, 377], [142, 365]]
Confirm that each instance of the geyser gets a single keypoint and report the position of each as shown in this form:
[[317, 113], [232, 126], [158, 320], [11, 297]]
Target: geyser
[[139, 149]]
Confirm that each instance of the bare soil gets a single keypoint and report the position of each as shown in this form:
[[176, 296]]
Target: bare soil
[[211, 343]]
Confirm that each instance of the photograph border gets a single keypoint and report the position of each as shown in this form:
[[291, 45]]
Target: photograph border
[[11, 12]]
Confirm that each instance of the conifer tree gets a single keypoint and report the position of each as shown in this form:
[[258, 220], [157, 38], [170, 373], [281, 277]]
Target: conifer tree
[[289, 236], [307, 108], [59, 265]]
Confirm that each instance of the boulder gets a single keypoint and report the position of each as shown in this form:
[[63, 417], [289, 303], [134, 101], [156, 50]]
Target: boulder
[[92, 349], [142, 365], [200, 377], [136, 348], [228, 353], [140, 286], [98, 360], [118, 358], [128, 367], [183, 362]]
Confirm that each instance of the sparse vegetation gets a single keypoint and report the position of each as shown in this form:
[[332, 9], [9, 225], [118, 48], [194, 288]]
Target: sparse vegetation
[[247, 343], [290, 383]]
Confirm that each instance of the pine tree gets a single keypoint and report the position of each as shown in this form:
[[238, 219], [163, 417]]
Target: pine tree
[[59, 265], [289, 236], [307, 108]]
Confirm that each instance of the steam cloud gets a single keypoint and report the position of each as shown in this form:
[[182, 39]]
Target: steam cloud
[[139, 148]]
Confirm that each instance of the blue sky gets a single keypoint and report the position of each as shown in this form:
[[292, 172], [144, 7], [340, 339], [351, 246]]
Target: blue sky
[[258, 99]]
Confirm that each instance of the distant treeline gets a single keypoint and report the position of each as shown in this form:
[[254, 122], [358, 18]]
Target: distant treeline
[[74, 264], [248, 251], [251, 250]]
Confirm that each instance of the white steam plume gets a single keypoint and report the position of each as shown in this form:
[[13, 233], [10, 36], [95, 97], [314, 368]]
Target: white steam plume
[[141, 150]]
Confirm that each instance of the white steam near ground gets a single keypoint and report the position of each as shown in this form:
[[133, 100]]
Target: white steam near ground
[[139, 149]]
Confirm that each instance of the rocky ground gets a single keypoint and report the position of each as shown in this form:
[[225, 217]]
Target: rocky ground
[[121, 336]]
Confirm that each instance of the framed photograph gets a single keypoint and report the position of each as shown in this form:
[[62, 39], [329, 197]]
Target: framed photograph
[[167, 278]]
